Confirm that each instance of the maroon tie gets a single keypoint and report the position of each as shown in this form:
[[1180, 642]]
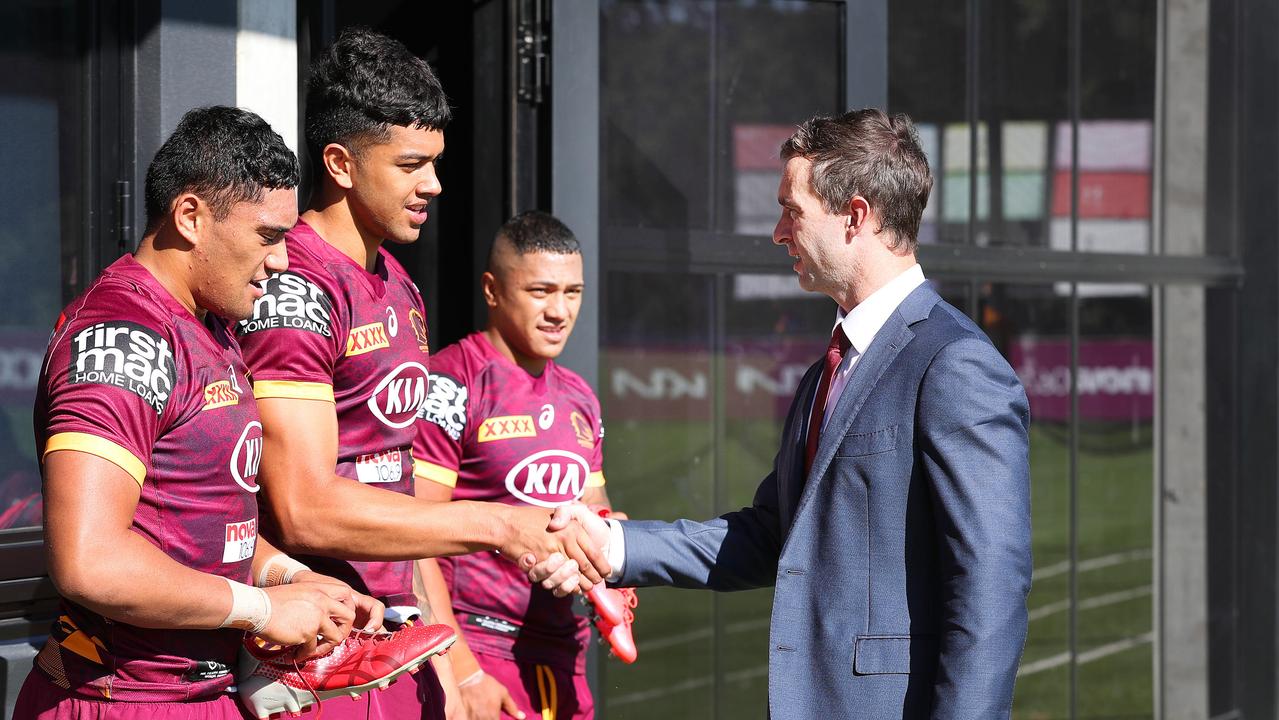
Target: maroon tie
[[839, 345]]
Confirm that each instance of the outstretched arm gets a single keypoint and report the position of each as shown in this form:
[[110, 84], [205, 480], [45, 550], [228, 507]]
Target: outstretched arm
[[973, 422], [321, 513]]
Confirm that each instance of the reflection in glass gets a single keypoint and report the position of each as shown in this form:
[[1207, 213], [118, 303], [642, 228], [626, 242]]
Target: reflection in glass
[[1030, 324], [927, 80], [42, 111], [691, 142], [1115, 485], [655, 388]]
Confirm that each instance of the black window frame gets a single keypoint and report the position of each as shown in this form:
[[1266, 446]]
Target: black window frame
[[106, 35]]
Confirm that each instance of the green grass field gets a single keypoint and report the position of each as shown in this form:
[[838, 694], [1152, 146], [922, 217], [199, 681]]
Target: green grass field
[[705, 655]]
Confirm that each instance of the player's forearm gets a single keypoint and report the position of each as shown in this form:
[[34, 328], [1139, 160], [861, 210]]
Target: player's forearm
[[357, 522], [129, 580]]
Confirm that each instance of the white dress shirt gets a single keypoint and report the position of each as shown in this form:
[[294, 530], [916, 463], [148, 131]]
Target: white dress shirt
[[861, 325]]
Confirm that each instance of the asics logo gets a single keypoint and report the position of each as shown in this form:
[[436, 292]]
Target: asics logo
[[401, 394]]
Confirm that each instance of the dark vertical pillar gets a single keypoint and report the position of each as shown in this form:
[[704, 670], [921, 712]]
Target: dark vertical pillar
[[1253, 66]]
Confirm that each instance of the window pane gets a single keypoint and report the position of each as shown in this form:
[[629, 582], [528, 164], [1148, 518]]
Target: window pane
[[927, 80], [1116, 132], [761, 48], [42, 111], [691, 142], [1116, 479], [1030, 324], [1024, 77], [658, 409]]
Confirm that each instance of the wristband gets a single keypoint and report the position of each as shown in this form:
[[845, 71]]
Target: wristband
[[279, 570], [250, 608], [471, 679]]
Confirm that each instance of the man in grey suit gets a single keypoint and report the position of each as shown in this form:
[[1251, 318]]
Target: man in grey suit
[[895, 525]]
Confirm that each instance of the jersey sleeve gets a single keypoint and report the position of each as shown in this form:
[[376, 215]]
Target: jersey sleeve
[[588, 427], [442, 422], [108, 383], [596, 460], [290, 342]]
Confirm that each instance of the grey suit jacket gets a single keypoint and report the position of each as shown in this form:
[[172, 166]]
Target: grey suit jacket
[[901, 563]]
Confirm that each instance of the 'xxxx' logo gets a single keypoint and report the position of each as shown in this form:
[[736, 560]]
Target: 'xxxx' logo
[[507, 427], [366, 338]]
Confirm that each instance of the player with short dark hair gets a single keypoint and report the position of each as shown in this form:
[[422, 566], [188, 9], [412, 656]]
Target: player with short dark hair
[[507, 424], [149, 443], [339, 350]]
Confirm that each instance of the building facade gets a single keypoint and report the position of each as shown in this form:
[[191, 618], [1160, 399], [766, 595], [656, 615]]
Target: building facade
[[1106, 193]]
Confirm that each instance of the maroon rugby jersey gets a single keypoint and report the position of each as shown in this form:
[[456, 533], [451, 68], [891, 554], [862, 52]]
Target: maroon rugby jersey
[[133, 377], [496, 433], [327, 329]]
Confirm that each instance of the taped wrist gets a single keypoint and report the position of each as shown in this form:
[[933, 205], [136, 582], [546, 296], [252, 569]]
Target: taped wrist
[[471, 679], [250, 608], [279, 570]]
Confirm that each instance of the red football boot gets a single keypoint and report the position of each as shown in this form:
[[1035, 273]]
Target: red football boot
[[613, 618], [271, 682]]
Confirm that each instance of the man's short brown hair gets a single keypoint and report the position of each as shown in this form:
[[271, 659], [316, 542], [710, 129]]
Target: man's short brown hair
[[869, 153]]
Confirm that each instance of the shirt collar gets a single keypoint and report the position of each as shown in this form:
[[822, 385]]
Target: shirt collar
[[864, 321]]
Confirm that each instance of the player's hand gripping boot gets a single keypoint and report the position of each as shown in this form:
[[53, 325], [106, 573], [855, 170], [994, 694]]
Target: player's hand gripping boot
[[272, 682], [614, 615]]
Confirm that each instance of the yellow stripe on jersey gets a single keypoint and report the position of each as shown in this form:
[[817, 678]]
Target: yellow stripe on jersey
[[546, 688], [595, 479], [293, 390], [101, 447], [434, 473]]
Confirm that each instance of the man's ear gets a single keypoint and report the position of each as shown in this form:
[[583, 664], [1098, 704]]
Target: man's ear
[[488, 283], [858, 211], [191, 216], [338, 162]]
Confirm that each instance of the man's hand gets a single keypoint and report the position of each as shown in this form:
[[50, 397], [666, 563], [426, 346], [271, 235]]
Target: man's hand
[[528, 536], [369, 611], [487, 699], [557, 573], [315, 617]]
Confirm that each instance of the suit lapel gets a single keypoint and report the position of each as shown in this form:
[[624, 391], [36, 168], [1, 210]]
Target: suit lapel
[[891, 339], [790, 466], [888, 342]]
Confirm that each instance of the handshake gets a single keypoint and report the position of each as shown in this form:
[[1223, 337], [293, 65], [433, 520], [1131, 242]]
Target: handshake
[[567, 554]]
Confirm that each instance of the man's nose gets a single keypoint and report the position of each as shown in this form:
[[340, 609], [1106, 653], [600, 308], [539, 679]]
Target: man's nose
[[781, 231], [557, 307], [277, 260], [430, 184]]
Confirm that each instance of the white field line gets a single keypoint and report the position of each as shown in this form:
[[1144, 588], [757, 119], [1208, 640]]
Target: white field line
[[1097, 653], [1047, 571], [1113, 598], [1103, 561]]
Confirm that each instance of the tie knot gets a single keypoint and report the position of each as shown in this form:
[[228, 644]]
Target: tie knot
[[839, 342]]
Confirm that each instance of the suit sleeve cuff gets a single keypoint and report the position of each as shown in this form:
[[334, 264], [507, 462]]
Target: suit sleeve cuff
[[616, 549]]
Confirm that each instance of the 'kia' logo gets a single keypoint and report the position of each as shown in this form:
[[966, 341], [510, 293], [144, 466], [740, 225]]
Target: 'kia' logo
[[247, 457], [549, 478], [396, 400]]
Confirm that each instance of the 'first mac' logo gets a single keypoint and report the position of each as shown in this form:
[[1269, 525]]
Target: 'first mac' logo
[[126, 355]]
